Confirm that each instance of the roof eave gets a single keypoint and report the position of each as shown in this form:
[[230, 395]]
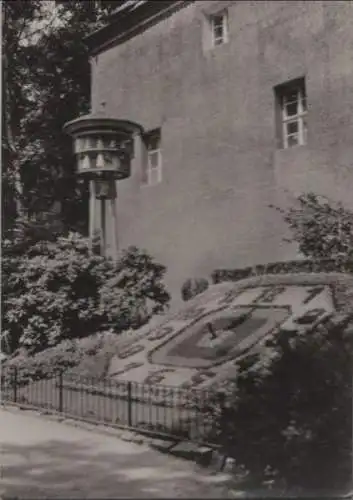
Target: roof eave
[[125, 23]]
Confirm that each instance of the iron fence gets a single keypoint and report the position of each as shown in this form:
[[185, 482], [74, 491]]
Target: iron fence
[[166, 410]]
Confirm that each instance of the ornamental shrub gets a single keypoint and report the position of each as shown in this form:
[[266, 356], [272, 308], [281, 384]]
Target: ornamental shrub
[[322, 228], [193, 287], [79, 358], [55, 289]]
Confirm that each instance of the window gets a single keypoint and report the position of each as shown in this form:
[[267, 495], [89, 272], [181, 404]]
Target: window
[[153, 164], [291, 98], [219, 28]]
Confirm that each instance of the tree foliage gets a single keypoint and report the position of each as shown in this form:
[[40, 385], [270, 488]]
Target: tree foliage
[[323, 229], [16, 17], [46, 83], [54, 289]]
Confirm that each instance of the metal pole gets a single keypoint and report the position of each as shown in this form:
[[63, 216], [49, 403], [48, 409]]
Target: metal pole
[[103, 227], [61, 388], [92, 213], [14, 381], [114, 223], [129, 403]]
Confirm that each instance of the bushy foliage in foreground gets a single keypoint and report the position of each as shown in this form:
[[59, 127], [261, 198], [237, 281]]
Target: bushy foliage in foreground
[[289, 413], [57, 290]]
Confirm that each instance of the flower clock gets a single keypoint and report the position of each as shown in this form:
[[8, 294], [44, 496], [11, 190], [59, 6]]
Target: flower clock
[[201, 345]]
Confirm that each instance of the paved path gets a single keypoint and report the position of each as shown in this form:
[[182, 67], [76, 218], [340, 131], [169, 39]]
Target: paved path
[[43, 458]]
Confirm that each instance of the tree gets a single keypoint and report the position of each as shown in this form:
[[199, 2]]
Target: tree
[[322, 228], [46, 83], [16, 18]]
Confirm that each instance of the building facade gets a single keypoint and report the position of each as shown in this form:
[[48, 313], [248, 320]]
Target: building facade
[[243, 105]]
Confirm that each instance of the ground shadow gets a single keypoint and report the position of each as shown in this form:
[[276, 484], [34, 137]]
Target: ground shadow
[[56, 469]]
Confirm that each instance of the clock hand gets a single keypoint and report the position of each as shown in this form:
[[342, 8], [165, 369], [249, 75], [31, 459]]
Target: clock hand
[[211, 330]]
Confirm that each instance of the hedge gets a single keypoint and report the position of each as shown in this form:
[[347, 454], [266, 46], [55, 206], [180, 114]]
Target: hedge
[[282, 267]]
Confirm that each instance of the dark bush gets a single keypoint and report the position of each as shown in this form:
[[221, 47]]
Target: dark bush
[[192, 287], [289, 412]]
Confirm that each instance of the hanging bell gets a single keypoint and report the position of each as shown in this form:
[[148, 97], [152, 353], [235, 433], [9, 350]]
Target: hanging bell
[[100, 160], [108, 159], [85, 162]]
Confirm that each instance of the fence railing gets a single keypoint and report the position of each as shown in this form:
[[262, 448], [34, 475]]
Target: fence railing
[[166, 410]]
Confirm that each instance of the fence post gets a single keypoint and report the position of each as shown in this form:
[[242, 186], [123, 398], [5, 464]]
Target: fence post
[[129, 403], [221, 401], [223, 416], [14, 381], [223, 428], [60, 386]]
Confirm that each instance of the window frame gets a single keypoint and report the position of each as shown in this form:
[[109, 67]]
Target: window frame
[[296, 87], [151, 170], [217, 41]]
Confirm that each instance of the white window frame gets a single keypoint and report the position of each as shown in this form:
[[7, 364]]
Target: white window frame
[[223, 15], [299, 118], [154, 172]]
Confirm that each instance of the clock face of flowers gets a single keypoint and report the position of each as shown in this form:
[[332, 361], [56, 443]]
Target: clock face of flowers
[[200, 345]]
